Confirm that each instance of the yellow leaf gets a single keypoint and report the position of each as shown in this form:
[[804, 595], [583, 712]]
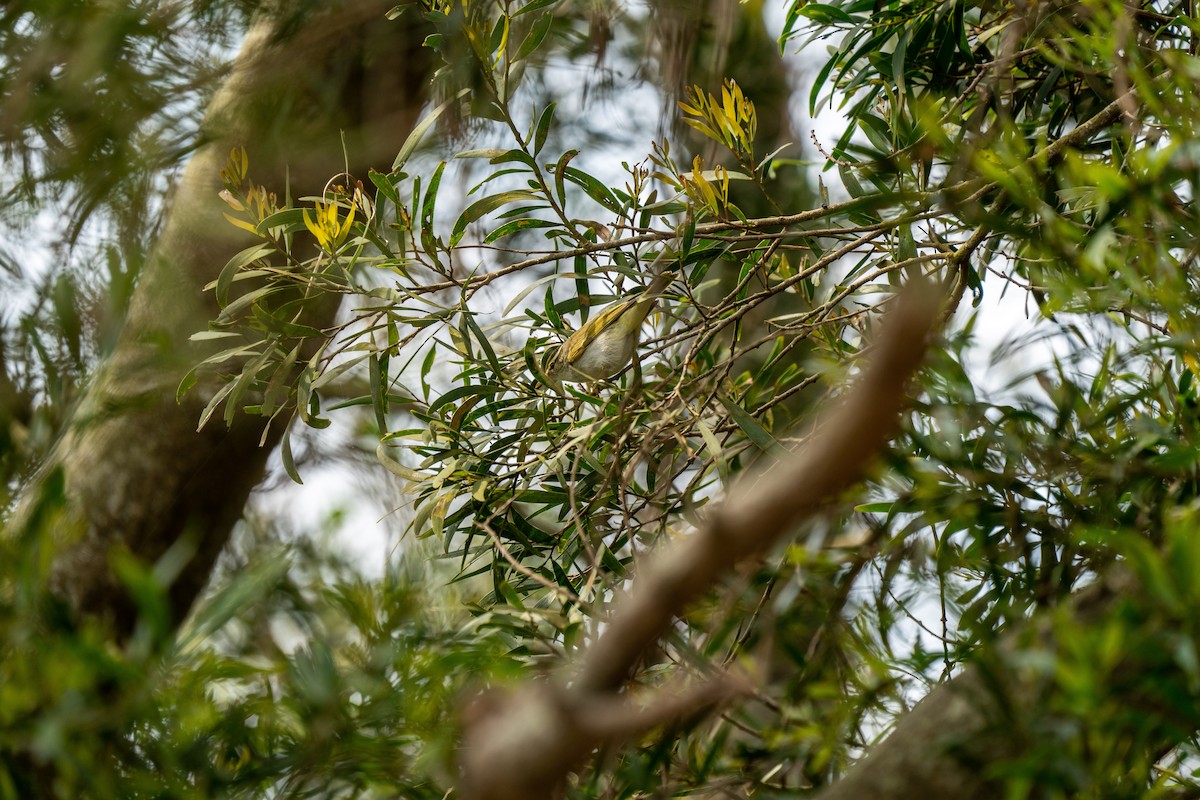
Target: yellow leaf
[[317, 232], [345, 227], [241, 223]]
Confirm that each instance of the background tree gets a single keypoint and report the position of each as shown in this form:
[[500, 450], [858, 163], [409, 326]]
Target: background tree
[[1020, 557]]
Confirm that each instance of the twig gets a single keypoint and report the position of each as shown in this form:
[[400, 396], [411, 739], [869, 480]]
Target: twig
[[521, 745]]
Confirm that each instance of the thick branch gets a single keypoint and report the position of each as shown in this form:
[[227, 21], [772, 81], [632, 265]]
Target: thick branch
[[832, 460], [523, 744], [956, 741]]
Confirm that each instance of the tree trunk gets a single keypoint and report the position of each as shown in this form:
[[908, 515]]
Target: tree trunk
[[132, 472]]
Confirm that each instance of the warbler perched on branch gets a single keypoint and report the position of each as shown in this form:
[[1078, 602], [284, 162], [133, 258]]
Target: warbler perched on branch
[[606, 343]]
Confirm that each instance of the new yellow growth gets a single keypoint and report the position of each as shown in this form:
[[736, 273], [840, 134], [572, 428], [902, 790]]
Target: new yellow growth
[[324, 224], [731, 120]]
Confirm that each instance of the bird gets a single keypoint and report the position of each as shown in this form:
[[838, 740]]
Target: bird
[[605, 344]]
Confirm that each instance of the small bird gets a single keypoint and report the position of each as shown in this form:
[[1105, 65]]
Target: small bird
[[606, 343]]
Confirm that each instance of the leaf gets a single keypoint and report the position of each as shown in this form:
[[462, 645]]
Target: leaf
[[898, 58], [395, 467], [385, 186], [715, 450], [753, 429], [485, 206], [850, 181], [818, 83], [486, 152], [533, 6], [499, 37], [594, 188], [246, 587], [534, 38], [529, 287], [825, 14], [560, 170], [204, 336], [877, 131], [231, 311], [908, 245], [542, 129], [377, 373], [513, 226], [213, 403], [285, 452], [238, 223], [464, 391], [422, 127], [473, 326], [289, 219]]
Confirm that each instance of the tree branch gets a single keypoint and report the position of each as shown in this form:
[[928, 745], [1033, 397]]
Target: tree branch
[[551, 720]]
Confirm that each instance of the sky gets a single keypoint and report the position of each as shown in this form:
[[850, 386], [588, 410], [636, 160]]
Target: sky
[[368, 532]]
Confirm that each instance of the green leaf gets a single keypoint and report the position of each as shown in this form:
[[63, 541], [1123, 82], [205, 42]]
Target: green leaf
[[285, 452], [560, 175], [529, 287], [214, 403], [289, 219], [429, 201], [484, 343], [485, 206], [753, 429], [513, 226], [464, 391], [908, 245], [242, 259], [825, 14], [594, 188], [422, 127], [384, 184], [244, 588], [241, 303], [715, 450], [850, 181], [395, 467], [533, 6], [499, 34], [542, 129], [534, 38], [898, 58]]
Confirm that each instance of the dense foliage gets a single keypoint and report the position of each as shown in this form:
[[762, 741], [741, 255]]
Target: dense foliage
[[1045, 150]]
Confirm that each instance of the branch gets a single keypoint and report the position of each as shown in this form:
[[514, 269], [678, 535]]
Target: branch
[[522, 744], [832, 460], [927, 199], [956, 741]]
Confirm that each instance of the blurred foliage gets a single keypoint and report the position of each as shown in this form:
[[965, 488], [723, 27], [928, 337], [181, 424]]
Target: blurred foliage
[[98, 101], [1042, 150], [294, 678]]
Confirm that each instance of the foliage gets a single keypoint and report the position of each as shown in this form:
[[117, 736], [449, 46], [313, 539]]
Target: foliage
[[99, 99], [1044, 149], [295, 678]]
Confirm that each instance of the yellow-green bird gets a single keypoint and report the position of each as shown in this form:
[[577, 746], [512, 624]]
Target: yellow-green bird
[[606, 343]]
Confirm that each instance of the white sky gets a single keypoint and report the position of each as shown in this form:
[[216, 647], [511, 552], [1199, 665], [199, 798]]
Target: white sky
[[363, 535]]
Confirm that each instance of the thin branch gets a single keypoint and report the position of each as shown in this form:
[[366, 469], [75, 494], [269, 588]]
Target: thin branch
[[833, 459], [522, 744]]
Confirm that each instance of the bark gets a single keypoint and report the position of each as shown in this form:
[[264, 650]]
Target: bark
[[133, 472], [965, 737], [523, 743]]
